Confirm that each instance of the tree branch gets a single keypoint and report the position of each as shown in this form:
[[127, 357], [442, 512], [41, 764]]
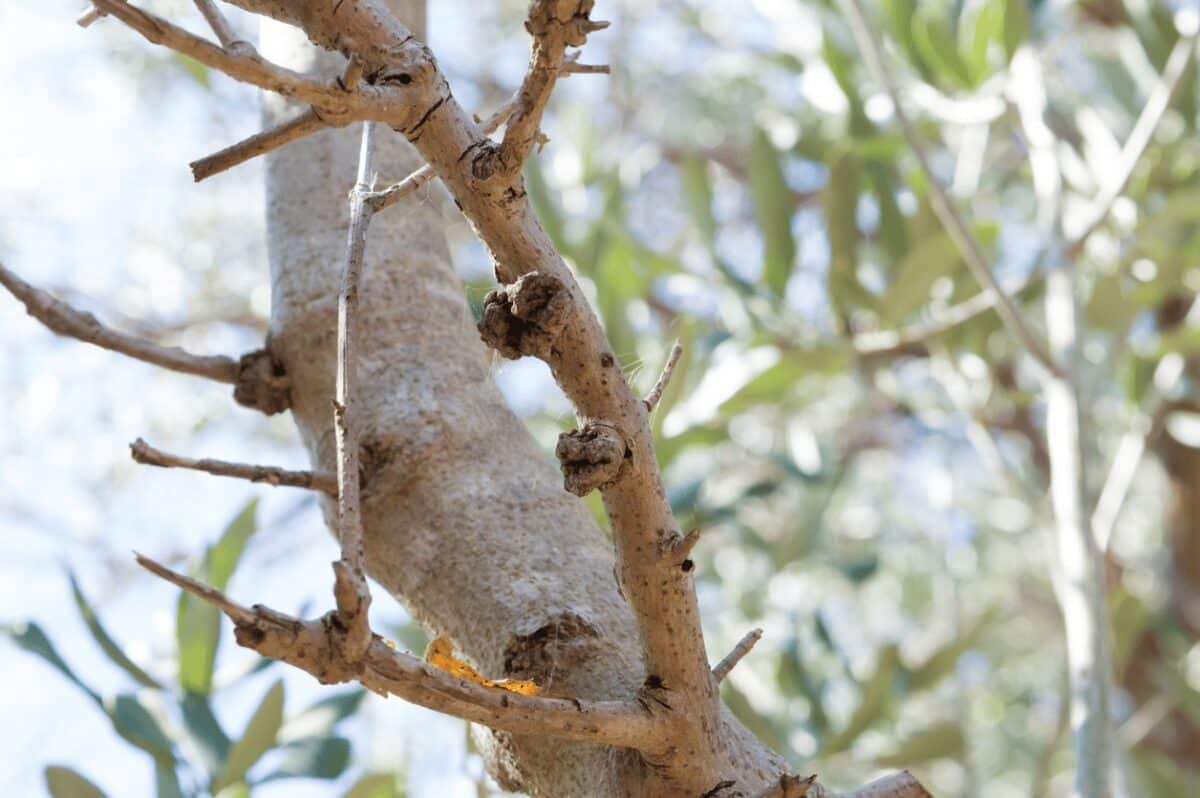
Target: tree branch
[[554, 25], [146, 454], [66, 320], [389, 196], [943, 206], [250, 68], [655, 396], [221, 27], [308, 646], [350, 589], [303, 125], [722, 668]]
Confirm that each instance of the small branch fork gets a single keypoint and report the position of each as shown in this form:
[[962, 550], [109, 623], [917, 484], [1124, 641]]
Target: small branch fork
[[315, 647]]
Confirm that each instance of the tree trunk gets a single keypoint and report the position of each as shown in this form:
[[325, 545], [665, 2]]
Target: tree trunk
[[466, 521]]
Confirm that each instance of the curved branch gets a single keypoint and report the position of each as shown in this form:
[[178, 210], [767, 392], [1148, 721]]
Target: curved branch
[[81, 325], [308, 646]]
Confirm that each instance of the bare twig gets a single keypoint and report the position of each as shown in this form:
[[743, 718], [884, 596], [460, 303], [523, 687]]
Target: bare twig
[[943, 206], [389, 196], [722, 668], [307, 645], [89, 15], [236, 612], [66, 320], [350, 589], [305, 124], [221, 27], [554, 25], [250, 68], [146, 454], [655, 396]]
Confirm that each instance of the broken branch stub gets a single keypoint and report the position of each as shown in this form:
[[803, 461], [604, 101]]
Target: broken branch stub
[[262, 383], [591, 458], [526, 317]]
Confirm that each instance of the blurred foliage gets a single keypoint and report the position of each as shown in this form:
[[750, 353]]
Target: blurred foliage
[[739, 183], [174, 722], [883, 515]]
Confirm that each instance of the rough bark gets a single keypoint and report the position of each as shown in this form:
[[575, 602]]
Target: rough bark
[[465, 519]]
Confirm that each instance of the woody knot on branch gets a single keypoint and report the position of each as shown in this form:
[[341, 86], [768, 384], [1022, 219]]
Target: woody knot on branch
[[262, 383], [591, 457], [526, 317], [554, 25]]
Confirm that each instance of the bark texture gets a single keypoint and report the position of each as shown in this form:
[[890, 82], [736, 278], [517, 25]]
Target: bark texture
[[466, 521]]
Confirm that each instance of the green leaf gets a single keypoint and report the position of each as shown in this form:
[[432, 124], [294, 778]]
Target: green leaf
[[62, 782], [198, 624], [794, 678], [1016, 25], [772, 383], [374, 785], [839, 202], [773, 206], [940, 741], [166, 780], [893, 227], [198, 71], [941, 663], [319, 719], [239, 790], [900, 16], [313, 758], [258, 738], [872, 704], [102, 638], [205, 731], [915, 274], [138, 727], [938, 47], [543, 205], [30, 637], [988, 27], [698, 196]]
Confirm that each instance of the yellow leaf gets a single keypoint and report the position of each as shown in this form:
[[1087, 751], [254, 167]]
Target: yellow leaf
[[441, 654]]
